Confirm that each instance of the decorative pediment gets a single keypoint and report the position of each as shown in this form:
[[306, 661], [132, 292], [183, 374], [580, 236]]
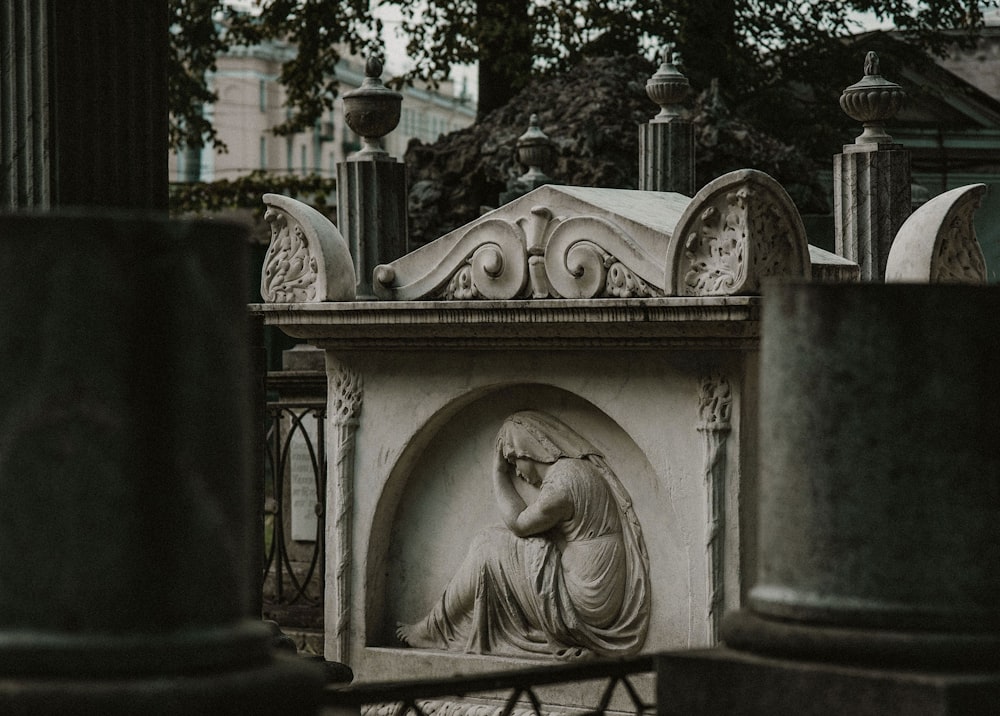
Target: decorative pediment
[[554, 242], [938, 244], [577, 242], [738, 230], [308, 260]]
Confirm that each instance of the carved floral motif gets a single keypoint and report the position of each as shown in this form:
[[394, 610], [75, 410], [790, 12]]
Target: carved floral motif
[[715, 404], [289, 274], [937, 243], [308, 259], [738, 229], [958, 257], [344, 396]]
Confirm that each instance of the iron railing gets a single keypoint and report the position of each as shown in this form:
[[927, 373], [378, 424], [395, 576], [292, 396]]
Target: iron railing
[[294, 502], [518, 690]]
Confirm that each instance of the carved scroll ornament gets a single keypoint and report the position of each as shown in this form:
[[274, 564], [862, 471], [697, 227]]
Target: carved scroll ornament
[[536, 256], [938, 244], [737, 230], [308, 260]]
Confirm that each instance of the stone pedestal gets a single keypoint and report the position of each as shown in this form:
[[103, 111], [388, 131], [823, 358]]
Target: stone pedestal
[[371, 210], [666, 156], [878, 496], [878, 503], [126, 528], [871, 201], [723, 681]]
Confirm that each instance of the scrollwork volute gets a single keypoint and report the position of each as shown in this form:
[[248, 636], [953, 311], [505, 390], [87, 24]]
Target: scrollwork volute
[[938, 244], [539, 255], [488, 261], [737, 230], [308, 259], [585, 257]]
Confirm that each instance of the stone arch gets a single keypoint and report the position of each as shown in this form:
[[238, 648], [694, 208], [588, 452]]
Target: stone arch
[[438, 495]]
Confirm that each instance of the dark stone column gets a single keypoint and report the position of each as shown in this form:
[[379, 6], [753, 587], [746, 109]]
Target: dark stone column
[[109, 103], [878, 498], [128, 574], [83, 104]]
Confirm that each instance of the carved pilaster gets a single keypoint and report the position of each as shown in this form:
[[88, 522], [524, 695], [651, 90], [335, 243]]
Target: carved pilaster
[[344, 396], [715, 408]]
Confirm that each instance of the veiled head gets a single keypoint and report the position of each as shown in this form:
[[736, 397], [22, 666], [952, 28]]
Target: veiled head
[[540, 437]]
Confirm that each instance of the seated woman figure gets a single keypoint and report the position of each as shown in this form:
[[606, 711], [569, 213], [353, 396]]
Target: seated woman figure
[[567, 576]]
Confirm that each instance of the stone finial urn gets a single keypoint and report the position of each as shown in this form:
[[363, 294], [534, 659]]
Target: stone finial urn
[[534, 151], [372, 111], [872, 101], [668, 87]]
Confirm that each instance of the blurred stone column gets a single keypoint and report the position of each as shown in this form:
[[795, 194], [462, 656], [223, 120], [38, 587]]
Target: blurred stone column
[[871, 178], [879, 491], [666, 143], [127, 530], [83, 103], [371, 185]]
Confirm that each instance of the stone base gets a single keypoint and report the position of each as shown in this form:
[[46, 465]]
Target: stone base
[[288, 685], [723, 681], [895, 648]]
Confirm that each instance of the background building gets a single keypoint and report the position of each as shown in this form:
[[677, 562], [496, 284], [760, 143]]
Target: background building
[[251, 102]]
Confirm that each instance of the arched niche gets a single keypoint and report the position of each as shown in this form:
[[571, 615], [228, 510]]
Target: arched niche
[[439, 495]]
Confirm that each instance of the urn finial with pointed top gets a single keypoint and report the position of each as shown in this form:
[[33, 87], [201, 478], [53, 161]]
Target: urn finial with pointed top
[[668, 87], [372, 111], [872, 101], [534, 150]]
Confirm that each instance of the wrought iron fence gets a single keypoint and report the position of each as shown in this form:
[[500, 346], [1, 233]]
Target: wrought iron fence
[[294, 500], [518, 691]]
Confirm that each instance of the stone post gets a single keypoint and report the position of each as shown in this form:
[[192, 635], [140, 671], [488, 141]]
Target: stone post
[[871, 178], [127, 530], [666, 143], [371, 185]]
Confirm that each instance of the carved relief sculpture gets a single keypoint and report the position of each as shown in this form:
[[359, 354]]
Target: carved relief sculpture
[[715, 408], [938, 244], [739, 229], [568, 574], [344, 395], [308, 260]]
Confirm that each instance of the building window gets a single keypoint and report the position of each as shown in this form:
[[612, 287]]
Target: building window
[[288, 156], [263, 153], [302, 154], [263, 95]]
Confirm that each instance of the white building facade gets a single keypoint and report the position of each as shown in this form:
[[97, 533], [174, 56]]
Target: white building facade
[[251, 102]]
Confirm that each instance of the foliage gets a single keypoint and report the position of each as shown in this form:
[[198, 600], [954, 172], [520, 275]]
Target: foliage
[[200, 198], [203, 29], [761, 52]]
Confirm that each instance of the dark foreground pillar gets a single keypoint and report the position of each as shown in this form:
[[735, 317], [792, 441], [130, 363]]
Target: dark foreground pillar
[[879, 537], [126, 544]]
